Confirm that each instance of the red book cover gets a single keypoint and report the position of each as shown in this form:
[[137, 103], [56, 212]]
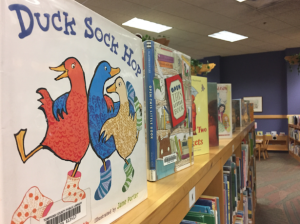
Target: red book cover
[[176, 99]]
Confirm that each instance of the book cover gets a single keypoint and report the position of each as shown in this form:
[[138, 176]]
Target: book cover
[[237, 105], [213, 114], [200, 115], [169, 110], [251, 112], [72, 101], [224, 111], [246, 113]]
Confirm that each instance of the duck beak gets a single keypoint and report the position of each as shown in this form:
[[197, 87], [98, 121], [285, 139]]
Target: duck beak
[[112, 88], [60, 68], [114, 71]]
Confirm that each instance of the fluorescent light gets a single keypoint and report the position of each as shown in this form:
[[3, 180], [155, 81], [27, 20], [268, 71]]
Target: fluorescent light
[[146, 25], [228, 36], [241, 0]]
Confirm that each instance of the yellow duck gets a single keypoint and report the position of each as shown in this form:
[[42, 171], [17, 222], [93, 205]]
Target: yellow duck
[[123, 127]]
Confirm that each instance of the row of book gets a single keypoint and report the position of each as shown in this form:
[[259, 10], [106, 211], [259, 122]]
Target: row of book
[[295, 120], [294, 133], [238, 187], [206, 210], [294, 148], [185, 115]]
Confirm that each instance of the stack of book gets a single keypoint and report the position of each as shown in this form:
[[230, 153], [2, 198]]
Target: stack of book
[[206, 210]]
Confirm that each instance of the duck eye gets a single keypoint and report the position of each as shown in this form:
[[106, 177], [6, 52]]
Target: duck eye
[[119, 84], [105, 68], [73, 65]]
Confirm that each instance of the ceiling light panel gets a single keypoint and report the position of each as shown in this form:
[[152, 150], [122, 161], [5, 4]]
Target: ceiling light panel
[[227, 36], [146, 25]]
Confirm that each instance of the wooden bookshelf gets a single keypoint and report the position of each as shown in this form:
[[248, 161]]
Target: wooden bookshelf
[[294, 126], [295, 156], [296, 142], [168, 198]]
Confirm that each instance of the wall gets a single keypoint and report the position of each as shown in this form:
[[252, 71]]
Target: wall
[[293, 84], [261, 74]]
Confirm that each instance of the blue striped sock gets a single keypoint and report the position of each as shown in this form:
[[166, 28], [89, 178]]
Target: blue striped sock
[[105, 182]]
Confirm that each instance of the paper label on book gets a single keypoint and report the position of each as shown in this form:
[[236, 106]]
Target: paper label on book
[[170, 159], [176, 99], [165, 64], [69, 214]]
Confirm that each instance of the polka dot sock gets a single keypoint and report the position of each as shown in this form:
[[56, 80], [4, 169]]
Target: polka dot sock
[[105, 182], [34, 204], [72, 192], [129, 171]]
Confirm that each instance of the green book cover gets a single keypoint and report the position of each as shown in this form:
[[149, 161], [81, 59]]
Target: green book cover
[[200, 217]]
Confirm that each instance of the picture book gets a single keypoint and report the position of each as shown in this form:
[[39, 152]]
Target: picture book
[[251, 112], [170, 113], [245, 111], [237, 105], [73, 149], [212, 114], [200, 115], [224, 110]]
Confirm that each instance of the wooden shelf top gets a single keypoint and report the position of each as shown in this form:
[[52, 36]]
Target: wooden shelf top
[[168, 198], [294, 126]]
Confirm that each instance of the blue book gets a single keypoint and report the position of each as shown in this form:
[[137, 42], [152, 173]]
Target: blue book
[[204, 203], [201, 208], [151, 107]]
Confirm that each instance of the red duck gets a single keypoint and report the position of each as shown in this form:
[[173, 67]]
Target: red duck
[[67, 119]]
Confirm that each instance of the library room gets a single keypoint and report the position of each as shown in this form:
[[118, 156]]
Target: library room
[[150, 111]]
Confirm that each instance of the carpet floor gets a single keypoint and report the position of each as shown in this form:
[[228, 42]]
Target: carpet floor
[[278, 190]]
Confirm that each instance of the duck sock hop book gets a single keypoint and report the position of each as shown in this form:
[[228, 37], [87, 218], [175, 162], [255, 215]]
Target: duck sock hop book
[[169, 110], [72, 127]]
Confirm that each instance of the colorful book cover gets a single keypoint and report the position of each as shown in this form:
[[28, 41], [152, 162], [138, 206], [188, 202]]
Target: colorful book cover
[[251, 112], [72, 100], [237, 105], [212, 114], [169, 110], [200, 115], [224, 111], [246, 113]]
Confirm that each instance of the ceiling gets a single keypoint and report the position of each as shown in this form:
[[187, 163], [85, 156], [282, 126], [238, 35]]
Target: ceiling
[[271, 25]]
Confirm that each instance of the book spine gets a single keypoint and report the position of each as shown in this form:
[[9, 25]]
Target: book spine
[[151, 108]]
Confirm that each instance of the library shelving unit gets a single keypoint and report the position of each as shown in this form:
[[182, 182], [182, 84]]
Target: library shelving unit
[[168, 198], [295, 141]]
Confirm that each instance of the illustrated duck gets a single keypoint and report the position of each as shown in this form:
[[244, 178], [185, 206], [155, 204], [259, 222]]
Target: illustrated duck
[[125, 126], [67, 123]]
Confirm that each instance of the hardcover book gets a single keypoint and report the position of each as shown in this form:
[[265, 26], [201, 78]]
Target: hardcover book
[[224, 111], [237, 105], [169, 110], [73, 149], [200, 115], [251, 112], [212, 114], [245, 111]]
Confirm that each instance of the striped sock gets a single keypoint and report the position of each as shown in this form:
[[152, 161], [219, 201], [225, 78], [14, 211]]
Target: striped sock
[[129, 171], [105, 182], [138, 114]]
